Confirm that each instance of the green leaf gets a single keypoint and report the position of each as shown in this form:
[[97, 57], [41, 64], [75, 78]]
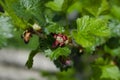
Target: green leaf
[[75, 7], [29, 62], [54, 28], [55, 5], [92, 9], [29, 4], [89, 30], [8, 8], [98, 8], [105, 72], [104, 7], [83, 39], [110, 72], [61, 51], [69, 3], [113, 52], [115, 11], [96, 72], [27, 9], [24, 11]]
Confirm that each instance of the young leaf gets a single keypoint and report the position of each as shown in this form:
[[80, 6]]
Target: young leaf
[[89, 30], [61, 51]]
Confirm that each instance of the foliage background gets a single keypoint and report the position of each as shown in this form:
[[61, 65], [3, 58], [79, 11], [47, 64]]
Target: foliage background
[[93, 26]]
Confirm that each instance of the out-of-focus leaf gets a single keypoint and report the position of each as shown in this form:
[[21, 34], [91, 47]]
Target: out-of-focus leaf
[[104, 7], [64, 75], [115, 2], [28, 9], [113, 43], [113, 52], [105, 72], [110, 72], [6, 28], [55, 5], [114, 26], [115, 11], [7, 5], [23, 11], [75, 7], [98, 8], [96, 72]]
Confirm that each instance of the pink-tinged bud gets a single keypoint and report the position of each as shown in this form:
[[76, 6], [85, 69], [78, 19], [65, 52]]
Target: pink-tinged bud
[[68, 62], [60, 40]]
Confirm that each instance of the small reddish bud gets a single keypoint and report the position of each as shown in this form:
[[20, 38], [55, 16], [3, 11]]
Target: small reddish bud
[[60, 40], [68, 62]]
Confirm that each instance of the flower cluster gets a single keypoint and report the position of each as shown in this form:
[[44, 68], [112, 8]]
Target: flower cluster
[[60, 40]]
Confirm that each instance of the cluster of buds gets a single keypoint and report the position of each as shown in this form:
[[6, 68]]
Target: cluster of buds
[[65, 62], [27, 34], [60, 40]]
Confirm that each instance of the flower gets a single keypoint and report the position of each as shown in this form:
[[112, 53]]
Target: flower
[[60, 40]]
